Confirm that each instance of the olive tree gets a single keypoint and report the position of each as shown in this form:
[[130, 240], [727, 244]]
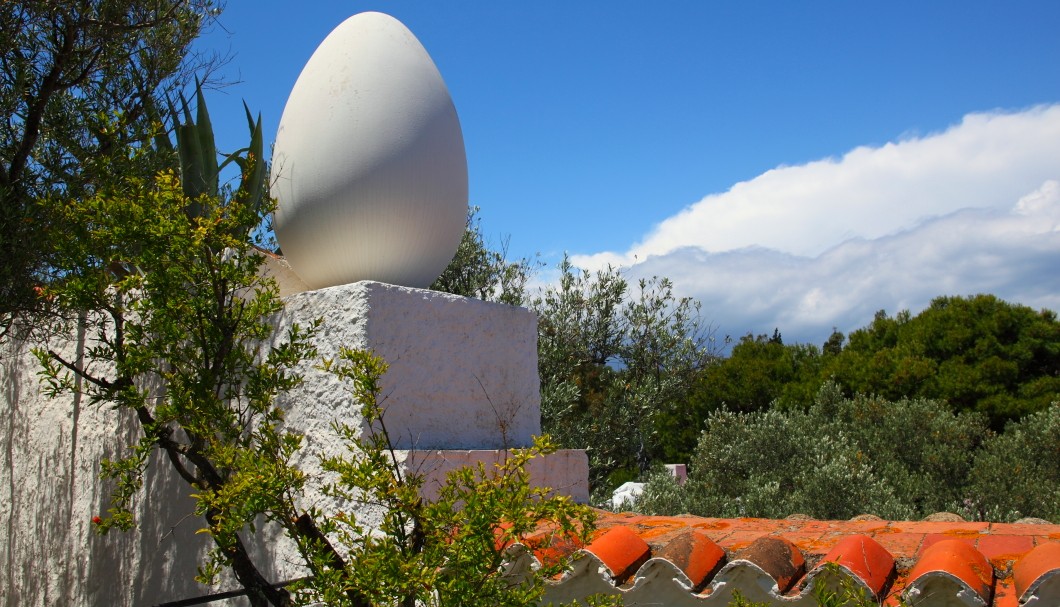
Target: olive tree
[[617, 361], [81, 83], [480, 271]]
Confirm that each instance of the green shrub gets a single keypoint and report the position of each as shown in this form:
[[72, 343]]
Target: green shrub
[[919, 448], [901, 459], [772, 464], [1017, 473]]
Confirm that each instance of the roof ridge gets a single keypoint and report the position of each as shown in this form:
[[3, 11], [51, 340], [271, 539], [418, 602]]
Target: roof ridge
[[703, 561]]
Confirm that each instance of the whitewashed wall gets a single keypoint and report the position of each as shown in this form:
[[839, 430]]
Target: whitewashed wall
[[50, 487], [463, 383]]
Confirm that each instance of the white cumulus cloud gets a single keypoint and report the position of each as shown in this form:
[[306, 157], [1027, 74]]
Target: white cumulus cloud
[[973, 209]]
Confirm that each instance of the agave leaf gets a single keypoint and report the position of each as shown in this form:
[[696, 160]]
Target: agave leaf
[[190, 154], [256, 183], [204, 133], [173, 115], [187, 112], [199, 167], [192, 177], [161, 137], [236, 158], [250, 118]]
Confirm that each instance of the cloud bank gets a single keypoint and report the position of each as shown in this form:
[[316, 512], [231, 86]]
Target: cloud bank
[[973, 209]]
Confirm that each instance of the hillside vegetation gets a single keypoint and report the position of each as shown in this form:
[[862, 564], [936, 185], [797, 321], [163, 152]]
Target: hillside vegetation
[[950, 409], [974, 353], [902, 459]]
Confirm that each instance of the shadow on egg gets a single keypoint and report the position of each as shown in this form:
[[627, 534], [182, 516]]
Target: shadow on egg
[[369, 168]]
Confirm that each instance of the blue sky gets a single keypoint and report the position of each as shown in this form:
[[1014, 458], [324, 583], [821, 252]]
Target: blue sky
[[794, 165]]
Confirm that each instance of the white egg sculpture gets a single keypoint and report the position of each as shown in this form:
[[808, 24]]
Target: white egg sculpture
[[369, 169]]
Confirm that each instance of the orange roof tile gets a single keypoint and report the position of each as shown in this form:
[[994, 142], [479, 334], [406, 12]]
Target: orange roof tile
[[687, 560], [863, 560], [1038, 572], [621, 550]]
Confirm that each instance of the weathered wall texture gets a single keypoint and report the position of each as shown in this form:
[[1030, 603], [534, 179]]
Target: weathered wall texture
[[462, 384], [50, 485], [463, 372]]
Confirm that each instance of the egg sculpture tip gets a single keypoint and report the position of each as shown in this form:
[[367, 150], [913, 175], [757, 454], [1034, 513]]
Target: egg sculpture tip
[[369, 165]]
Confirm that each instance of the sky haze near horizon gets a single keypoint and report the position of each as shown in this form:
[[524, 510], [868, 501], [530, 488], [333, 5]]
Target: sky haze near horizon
[[792, 165]]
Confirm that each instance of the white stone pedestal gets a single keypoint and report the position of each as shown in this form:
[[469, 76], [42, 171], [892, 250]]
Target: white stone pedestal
[[462, 384], [463, 372]]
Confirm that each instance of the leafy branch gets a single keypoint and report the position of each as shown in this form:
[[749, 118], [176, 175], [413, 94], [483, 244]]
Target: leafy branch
[[451, 550]]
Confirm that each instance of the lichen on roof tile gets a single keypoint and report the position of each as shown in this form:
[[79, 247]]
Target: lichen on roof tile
[[662, 561]]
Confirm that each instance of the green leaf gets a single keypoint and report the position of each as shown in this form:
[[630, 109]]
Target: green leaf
[[204, 134]]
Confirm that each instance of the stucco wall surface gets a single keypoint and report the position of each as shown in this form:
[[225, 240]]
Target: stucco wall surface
[[463, 372], [462, 384], [50, 487], [565, 471]]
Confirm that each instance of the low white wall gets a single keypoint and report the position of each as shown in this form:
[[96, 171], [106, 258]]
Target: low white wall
[[462, 385], [50, 488]]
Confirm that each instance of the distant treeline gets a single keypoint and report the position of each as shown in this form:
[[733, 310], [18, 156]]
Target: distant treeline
[[954, 409], [973, 353]]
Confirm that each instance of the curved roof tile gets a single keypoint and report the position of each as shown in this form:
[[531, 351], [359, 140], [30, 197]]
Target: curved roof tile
[[620, 550], [703, 562], [863, 561], [695, 555], [1037, 575], [951, 567], [776, 557]]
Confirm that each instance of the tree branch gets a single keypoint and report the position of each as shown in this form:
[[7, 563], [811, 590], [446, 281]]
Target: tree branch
[[101, 383], [259, 590], [308, 530]]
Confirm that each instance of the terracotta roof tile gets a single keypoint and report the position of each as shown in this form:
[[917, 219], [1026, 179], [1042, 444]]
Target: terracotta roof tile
[[1003, 550], [1037, 575], [621, 550], [952, 568], [695, 554], [776, 557], [694, 561], [864, 560]]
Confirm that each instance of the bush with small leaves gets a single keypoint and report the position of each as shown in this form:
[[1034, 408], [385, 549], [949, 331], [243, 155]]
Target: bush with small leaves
[[452, 550], [918, 447], [1017, 473], [901, 459], [777, 463]]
